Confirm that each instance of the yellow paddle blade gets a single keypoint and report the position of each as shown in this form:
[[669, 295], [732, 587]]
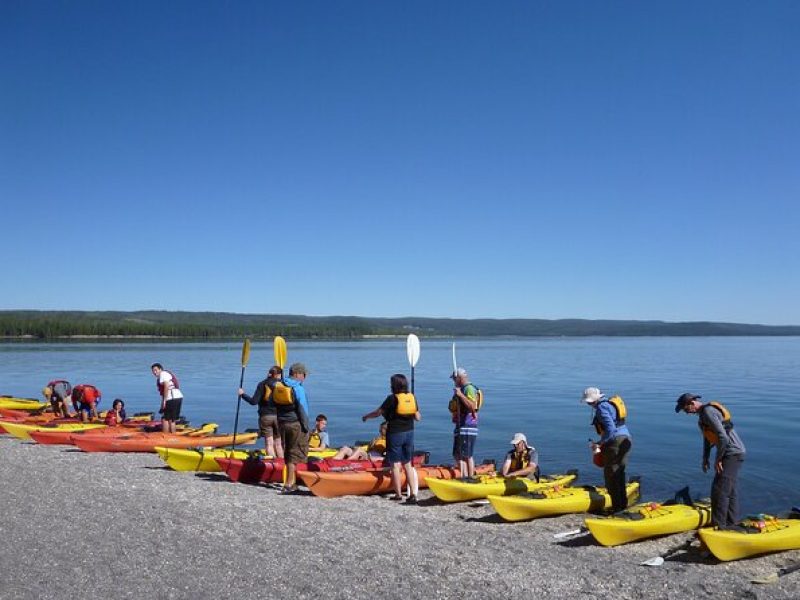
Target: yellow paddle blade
[[280, 351], [245, 352]]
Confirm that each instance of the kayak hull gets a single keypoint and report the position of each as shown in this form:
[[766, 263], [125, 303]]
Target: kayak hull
[[557, 501], [23, 431], [648, 520], [455, 490], [147, 442], [361, 483], [777, 535], [27, 404]]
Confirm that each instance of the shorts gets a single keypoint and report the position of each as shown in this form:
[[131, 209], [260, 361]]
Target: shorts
[[464, 442], [172, 410], [399, 447], [86, 407], [268, 427], [295, 442]]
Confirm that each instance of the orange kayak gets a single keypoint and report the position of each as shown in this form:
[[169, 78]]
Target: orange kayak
[[147, 442], [64, 438], [378, 481]]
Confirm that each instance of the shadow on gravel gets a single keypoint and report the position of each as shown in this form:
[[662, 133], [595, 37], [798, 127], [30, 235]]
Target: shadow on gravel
[[215, 477], [493, 518], [579, 541]]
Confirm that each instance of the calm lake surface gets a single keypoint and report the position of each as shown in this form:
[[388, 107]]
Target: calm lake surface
[[531, 385]]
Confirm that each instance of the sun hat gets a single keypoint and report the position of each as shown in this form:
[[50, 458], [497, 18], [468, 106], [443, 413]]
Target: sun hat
[[519, 437], [592, 395]]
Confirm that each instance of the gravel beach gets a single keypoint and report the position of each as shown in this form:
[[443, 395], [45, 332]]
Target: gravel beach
[[125, 526]]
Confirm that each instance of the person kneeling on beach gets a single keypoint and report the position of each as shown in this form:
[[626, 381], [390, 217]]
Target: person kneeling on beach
[[85, 398], [57, 392], [522, 460], [376, 450], [400, 411], [116, 416]]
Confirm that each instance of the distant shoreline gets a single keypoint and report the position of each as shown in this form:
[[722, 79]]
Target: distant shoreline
[[213, 326]]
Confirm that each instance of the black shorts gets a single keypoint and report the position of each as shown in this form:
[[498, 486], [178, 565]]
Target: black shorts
[[172, 409]]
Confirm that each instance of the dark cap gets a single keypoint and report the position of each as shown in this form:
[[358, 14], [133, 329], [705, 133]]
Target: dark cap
[[684, 400]]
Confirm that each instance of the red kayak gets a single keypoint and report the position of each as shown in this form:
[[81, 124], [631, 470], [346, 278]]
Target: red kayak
[[270, 470]]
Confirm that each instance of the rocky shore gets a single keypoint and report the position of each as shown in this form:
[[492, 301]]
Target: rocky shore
[[124, 526]]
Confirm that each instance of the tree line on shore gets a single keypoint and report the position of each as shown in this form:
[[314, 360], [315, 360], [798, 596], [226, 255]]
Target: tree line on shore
[[47, 325]]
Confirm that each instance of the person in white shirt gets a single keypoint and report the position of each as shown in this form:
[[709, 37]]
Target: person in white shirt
[[171, 397]]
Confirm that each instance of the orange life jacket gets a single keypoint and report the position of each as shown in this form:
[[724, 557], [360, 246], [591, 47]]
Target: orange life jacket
[[708, 433]]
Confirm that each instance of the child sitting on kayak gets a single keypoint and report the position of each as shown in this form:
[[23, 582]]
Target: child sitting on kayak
[[376, 450], [116, 416], [318, 439]]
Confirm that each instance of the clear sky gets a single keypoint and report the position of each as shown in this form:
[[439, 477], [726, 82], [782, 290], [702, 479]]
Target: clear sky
[[623, 160]]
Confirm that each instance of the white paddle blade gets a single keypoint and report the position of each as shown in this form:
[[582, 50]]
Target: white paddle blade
[[566, 534], [412, 348], [455, 364], [656, 561]]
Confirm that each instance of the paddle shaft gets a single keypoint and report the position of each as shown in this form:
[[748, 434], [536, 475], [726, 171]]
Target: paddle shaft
[[238, 406]]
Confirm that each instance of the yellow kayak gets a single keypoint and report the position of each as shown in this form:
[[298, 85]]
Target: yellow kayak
[[557, 501], [648, 520], [761, 534], [204, 459], [456, 490], [22, 431], [14, 403]]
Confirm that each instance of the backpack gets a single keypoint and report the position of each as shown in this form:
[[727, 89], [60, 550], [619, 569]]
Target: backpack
[[282, 394], [406, 404]]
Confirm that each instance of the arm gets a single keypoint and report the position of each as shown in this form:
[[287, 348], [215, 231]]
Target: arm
[[606, 418], [506, 467], [378, 412], [256, 397], [467, 400], [714, 420]]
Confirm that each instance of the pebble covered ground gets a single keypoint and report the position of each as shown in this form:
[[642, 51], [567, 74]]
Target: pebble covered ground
[[108, 526]]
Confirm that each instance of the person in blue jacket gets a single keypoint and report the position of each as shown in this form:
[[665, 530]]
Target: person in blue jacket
[[614, 443]]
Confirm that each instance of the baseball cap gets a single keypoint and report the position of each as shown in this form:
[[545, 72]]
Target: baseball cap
[[684, 399]]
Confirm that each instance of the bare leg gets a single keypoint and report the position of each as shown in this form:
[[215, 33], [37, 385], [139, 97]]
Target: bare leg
[[471, 466], [411, 477], [396, 479], [291, 476]]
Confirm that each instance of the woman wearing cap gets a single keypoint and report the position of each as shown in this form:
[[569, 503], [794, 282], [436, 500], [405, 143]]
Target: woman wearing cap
[[615, 442], [522, 460]]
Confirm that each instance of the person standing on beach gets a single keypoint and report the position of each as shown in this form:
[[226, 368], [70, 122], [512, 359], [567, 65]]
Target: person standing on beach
[[292, 404], [171, 397], [614, 443], [717, 429], [400, 411], [464, 406], [57, 392], [267, 411]]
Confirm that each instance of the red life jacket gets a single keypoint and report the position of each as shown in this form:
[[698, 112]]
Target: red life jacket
[[86, 393], [160, 386]]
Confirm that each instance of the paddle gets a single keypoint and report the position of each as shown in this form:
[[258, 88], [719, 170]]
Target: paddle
[[773, 577], [245, 359], [571, 533], [657, 561], [279, 351], [412, 349]]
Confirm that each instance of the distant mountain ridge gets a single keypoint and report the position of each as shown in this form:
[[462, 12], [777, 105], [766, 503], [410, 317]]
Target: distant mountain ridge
[[218, 325]]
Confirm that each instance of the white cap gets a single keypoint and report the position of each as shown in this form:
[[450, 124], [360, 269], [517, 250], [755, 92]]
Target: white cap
[[592, 395], [519, 437]]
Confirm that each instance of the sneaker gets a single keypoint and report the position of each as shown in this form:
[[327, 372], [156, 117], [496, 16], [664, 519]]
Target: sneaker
[[411, 500], [396, 498], [287, 491]]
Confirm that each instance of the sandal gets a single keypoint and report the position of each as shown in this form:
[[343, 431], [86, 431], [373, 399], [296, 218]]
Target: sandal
[[396, 498]]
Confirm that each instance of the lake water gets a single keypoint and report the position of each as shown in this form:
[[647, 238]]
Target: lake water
[[531, 385]]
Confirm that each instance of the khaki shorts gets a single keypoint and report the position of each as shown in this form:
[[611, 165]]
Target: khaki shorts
[[295, 443], [268, 427]]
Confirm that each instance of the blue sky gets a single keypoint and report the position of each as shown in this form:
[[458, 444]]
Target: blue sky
[[624, 160]]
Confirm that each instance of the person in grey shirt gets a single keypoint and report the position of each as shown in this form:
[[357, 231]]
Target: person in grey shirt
[[717, 429]]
